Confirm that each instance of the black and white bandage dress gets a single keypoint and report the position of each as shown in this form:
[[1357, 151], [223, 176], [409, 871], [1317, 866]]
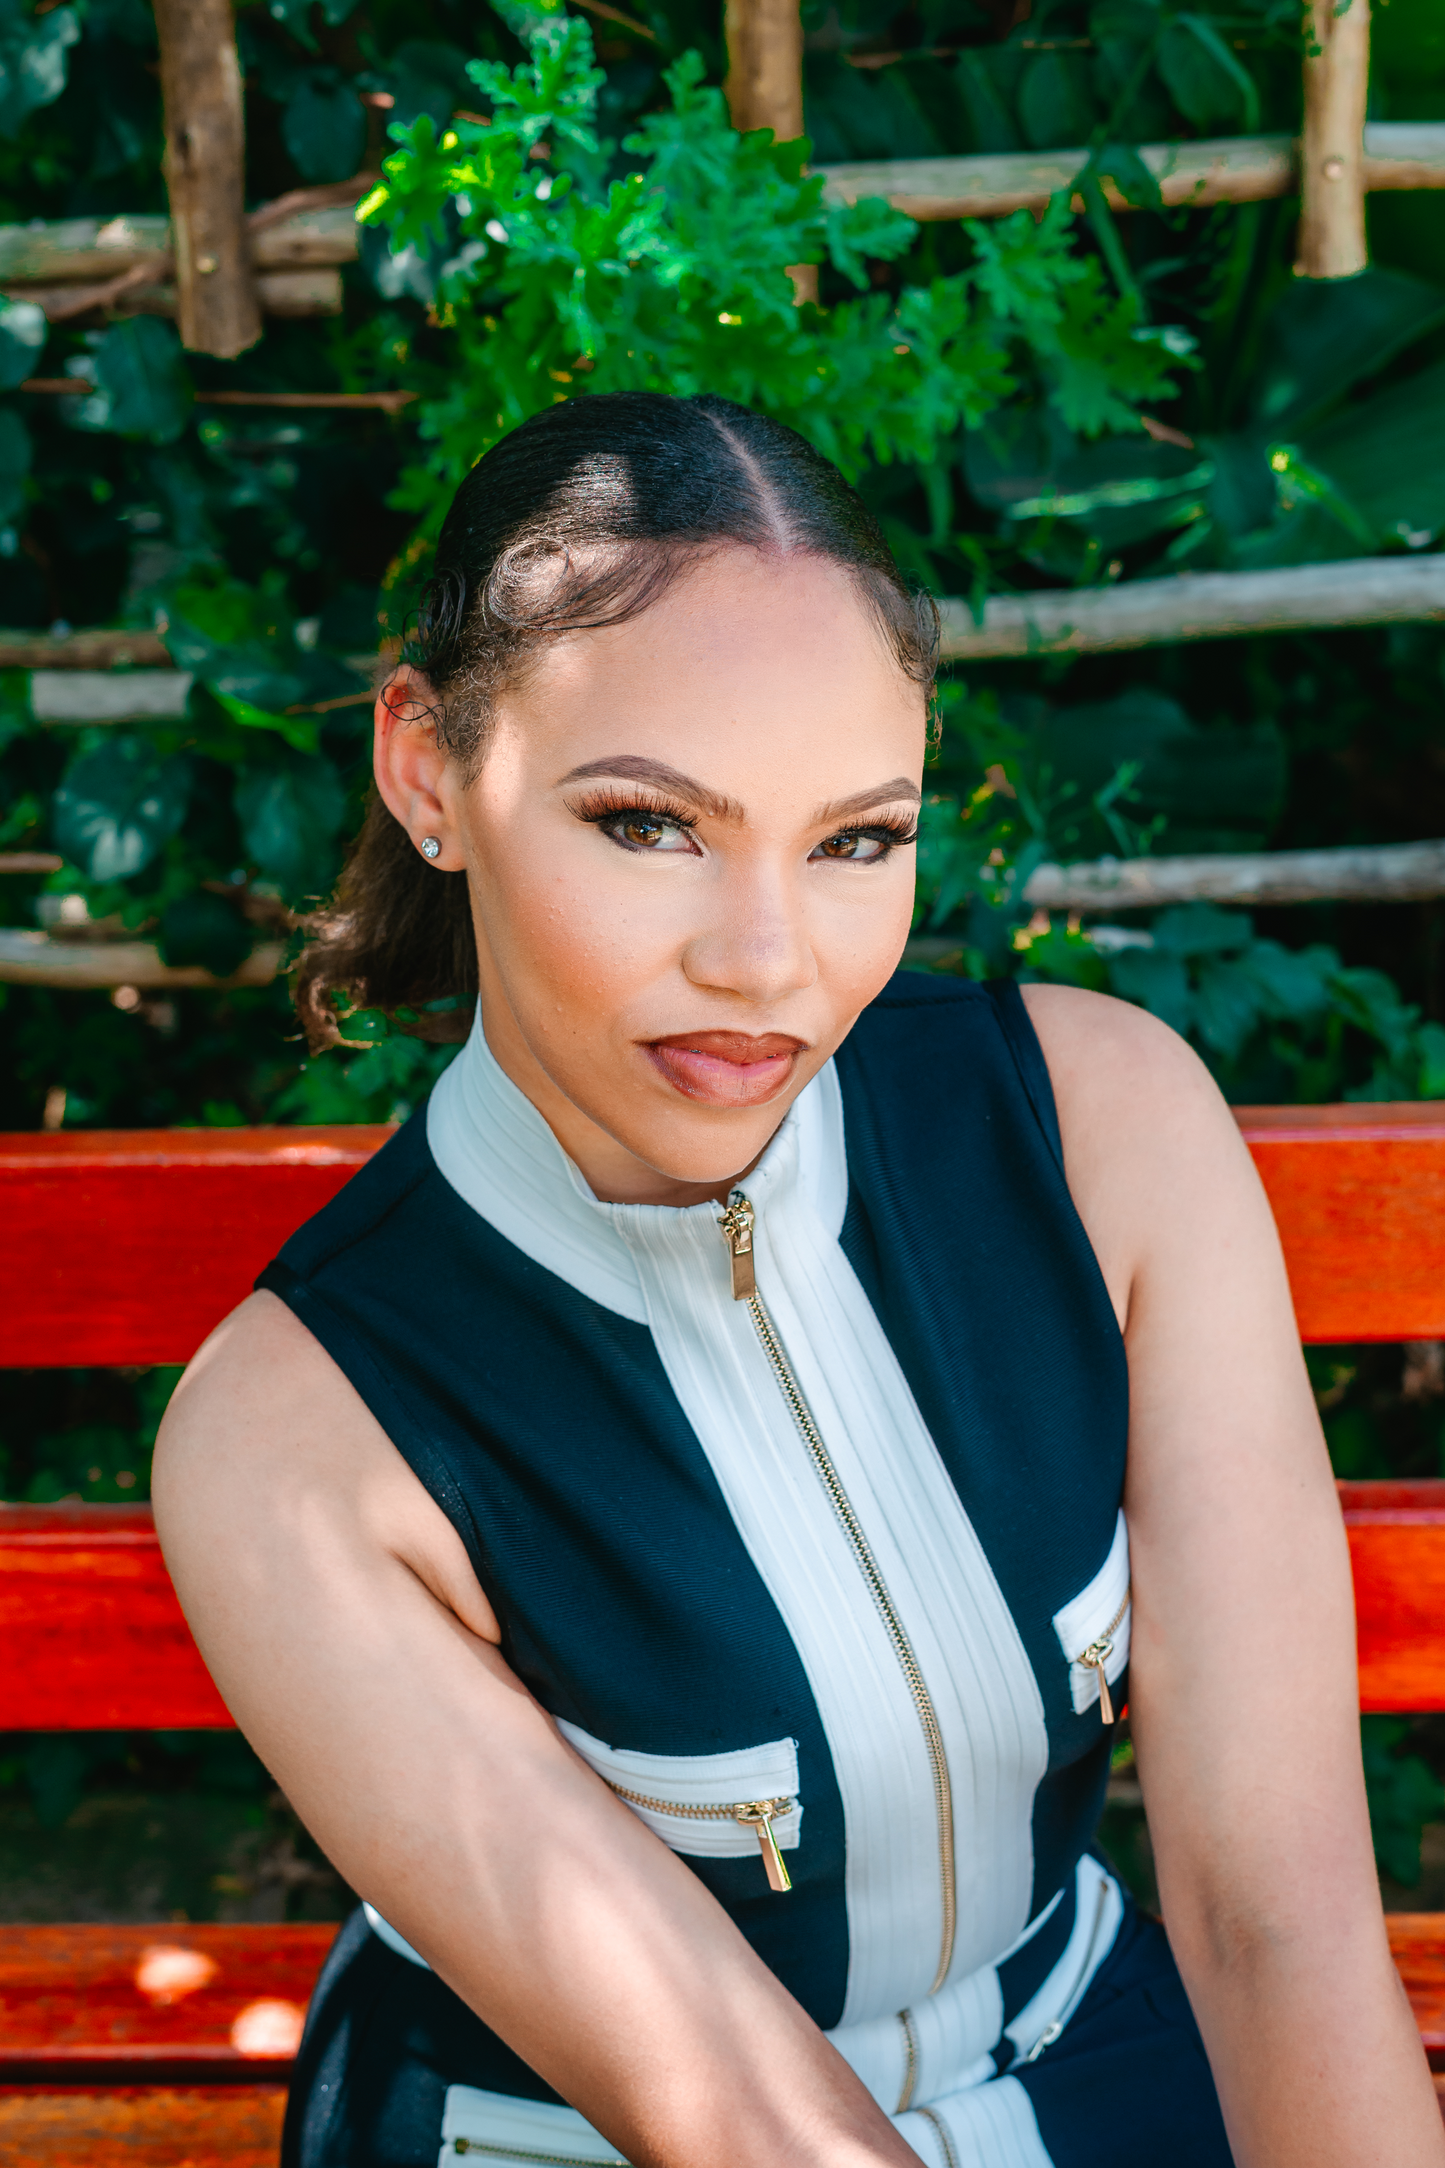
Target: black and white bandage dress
[[804, 1522]]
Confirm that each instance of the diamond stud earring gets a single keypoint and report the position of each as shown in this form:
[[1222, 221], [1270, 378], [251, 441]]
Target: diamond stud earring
[[431, 847]]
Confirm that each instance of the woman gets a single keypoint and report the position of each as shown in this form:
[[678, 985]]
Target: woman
[[669, 1523]]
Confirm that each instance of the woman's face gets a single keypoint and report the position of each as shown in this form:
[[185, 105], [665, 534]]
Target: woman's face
[[689, 851]]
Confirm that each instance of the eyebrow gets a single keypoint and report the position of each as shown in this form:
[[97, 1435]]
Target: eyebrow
[[636, 768]]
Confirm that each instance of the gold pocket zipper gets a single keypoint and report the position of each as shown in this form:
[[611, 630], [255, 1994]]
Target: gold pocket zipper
[[1097, 1654], [737, 1223], [758, 1814]]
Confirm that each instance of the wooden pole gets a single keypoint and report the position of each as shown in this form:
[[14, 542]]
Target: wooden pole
[[1332, 158], [764, 86], [217, 305]]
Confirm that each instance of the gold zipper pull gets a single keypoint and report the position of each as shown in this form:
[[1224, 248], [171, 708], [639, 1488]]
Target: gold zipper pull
[[1096, 1655], [737, 1226], [758, 1814]]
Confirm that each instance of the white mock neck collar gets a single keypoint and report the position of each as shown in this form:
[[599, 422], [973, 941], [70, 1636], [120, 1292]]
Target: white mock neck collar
[[497, 1152]]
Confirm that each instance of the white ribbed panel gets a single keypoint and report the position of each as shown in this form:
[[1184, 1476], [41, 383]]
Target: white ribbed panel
[[994, 2126], [1098, 1915], [495, 1149], [702, 1780], [500, 2120], [1090, 1614], [498, 1154]]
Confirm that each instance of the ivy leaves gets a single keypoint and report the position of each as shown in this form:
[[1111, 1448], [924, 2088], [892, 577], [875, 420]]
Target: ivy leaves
[[32, 59], [119, 805]]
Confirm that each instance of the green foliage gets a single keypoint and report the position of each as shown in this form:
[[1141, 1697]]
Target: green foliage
[[675, 277], [23, 332], [118, 804], [142, 386], [32, 59], [1404, 1793]]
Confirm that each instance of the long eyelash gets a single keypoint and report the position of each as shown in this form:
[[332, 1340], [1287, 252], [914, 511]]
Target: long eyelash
[[895, 833], [604, 805]]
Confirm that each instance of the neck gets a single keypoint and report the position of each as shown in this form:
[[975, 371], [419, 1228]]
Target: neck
[[614, 1174]]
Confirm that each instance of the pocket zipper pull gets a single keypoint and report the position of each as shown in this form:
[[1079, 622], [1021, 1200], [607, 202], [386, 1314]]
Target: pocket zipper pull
[[1096, 1655], [737, 1226], [758, 1814]]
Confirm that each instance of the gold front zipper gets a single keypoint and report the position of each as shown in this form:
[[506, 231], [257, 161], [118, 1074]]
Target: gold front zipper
[[737, 1224], [758, 1814], [1097, 1654]]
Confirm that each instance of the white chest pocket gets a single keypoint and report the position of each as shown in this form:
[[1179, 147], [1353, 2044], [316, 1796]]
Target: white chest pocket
[[1093, 1629], [709, 1806]]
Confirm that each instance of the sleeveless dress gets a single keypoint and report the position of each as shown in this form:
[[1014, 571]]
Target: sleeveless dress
[[804, 1522]]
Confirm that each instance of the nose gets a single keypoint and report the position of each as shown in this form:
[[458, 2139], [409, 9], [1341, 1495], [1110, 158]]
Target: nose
[[757, 943]]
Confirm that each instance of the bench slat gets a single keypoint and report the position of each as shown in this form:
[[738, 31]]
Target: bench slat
[[127, 1246], [92, 1637], [216, 2126], [173, 2004], [1358, 1193]]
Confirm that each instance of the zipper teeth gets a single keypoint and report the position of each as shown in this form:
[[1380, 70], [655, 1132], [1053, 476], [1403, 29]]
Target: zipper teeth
[[902, 1646], [910, 2061], [946, 2145], [773, 1807], [1089, 1657], [543, 2160]]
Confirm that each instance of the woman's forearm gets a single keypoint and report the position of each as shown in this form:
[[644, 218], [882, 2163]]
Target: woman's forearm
[[1314, 2047]]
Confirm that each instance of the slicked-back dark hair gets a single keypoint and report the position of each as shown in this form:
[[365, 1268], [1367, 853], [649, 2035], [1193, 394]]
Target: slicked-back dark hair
[[579, 519]]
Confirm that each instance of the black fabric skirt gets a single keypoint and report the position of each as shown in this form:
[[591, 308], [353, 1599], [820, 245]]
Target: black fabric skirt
[[1126, 2085]]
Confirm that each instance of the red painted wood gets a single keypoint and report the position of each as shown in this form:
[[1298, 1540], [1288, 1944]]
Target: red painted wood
[[213, 2126], [1417, 1944], [1397, 1551], [128, 1246], [1359, 1195], [169, 2003], [92, 1638], [91, 1635]]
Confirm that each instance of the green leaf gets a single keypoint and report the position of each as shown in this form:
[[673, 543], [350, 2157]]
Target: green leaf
[[1385, 459], [324, 128], [1206, 81], [1432, 1061], [1323, 335], [143, 388], [23, 332], [1158, 982], [119, 805], [302, 731], [1056, 101], [14, 464], [289, 815], [203, 928], [32, 60]]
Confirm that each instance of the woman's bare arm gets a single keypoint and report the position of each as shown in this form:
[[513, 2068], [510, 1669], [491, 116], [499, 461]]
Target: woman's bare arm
[[341, 1620], [1242, 1675]]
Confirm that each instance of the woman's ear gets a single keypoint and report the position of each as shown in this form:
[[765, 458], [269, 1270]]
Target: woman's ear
[[411, 768]]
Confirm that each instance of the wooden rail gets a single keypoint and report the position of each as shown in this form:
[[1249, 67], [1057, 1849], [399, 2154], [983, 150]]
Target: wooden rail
[[1196, 606], [127, 1246], [1228, 169]]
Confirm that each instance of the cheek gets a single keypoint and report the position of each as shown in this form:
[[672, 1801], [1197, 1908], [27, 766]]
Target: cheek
[[573, 930]]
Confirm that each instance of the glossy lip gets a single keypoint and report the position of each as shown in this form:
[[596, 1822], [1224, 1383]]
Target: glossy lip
[[725, 1068]]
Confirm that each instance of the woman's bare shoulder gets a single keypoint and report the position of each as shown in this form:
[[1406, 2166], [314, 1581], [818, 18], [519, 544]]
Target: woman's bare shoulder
[[265, 1434], [1151, 1149]]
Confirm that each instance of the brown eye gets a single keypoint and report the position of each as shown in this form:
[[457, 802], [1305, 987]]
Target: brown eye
[[851, 843], [635, 829]]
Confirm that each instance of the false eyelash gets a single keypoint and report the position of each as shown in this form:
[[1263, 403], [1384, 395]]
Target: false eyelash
[[895, 833], [599, 806]]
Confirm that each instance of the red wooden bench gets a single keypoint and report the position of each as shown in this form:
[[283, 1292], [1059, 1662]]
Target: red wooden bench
[[167, 2045]]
